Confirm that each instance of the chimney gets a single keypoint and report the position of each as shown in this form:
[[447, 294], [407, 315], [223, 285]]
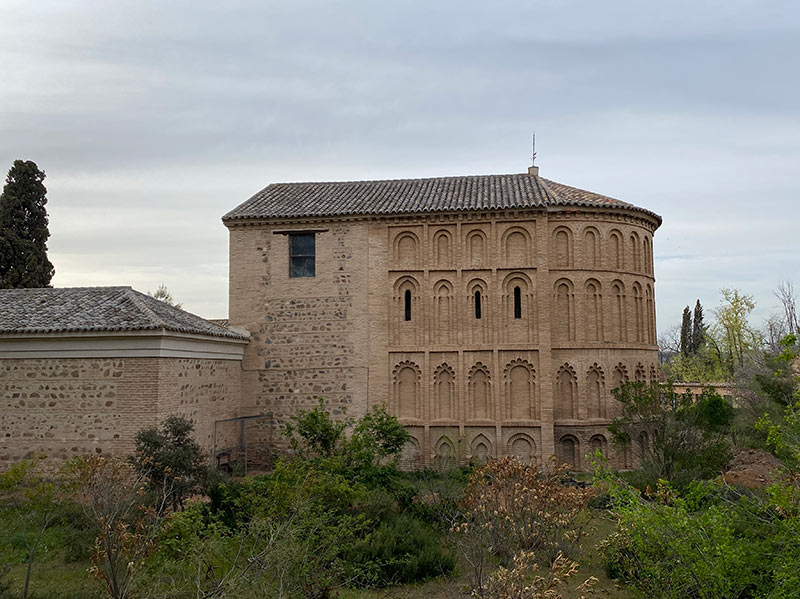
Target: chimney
[[533, 171]]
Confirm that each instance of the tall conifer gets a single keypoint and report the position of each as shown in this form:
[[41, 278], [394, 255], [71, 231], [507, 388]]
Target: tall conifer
[[686, 332], [698, 328], [23, 228]]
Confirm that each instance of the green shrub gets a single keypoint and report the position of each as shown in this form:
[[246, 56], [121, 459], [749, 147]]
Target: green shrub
[[400, 551]]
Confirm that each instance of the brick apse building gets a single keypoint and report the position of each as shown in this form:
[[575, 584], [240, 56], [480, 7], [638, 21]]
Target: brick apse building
[[491, 314]]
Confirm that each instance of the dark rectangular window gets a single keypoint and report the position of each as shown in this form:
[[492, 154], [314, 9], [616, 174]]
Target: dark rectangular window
[[302, 255], [478, 305], [517, 302]]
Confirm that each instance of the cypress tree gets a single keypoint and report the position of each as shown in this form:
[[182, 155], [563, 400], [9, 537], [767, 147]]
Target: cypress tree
[[23, 229], [686, 332], [698, 328]]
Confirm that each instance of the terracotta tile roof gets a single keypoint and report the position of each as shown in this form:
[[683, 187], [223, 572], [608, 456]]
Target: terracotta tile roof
[[79, 309], [414, 196]]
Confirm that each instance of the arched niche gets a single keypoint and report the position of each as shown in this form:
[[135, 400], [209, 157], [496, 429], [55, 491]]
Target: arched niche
[[562, 248], [639, 325], [566, 393], [516, 243], [410, 456], [563, 316], [406, 316], [519, 314], [444, 313], [522, 447], [520, 391], [614, 251], [406, 250], [444, 454], [481, 449], [405, 386], [650, 309], [480, 393], [443, 248], [618, 312], [599, 443], [647, 252], [568, 451], [635, 252], [444, 393], [593, 310], [477, 246], [591, 247], [596, 392], [478, 312]]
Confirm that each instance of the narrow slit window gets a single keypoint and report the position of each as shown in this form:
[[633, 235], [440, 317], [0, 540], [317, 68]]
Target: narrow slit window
[[407, 302], [478, 305], [302, 255], [517, 302]]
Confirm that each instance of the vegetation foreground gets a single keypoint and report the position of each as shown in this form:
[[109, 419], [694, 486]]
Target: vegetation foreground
[[339, 519]]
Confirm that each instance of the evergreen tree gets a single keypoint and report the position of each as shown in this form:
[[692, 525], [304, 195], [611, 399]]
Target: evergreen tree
[[23, 229], [698, 328], [686, 332]]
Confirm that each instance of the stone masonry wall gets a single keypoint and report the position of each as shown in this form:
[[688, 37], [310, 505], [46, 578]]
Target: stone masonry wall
[[308, 335], [202, 391], [74, 406], [69, 407]]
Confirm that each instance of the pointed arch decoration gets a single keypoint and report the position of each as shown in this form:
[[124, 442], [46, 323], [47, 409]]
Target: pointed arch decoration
[[444, 454], [596, 391], [481, 449], [566, 399], [640, 376]]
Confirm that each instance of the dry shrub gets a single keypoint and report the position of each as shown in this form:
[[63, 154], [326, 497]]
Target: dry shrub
[[521, 580], [525, 508]]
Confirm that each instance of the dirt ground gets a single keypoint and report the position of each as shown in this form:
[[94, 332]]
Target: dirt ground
[[753, 468]]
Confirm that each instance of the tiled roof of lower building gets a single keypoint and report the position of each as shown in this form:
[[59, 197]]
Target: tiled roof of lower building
[[414, 196], [86, 309]]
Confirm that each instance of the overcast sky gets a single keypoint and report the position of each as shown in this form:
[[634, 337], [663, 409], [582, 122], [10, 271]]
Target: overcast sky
[[153, 119]]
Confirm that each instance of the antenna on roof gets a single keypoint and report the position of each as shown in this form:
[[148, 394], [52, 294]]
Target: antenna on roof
[[533, 170]]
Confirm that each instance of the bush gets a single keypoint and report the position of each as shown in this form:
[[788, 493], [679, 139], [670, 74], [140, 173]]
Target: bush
[[170, 459], [402, 550], [704, 543]]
